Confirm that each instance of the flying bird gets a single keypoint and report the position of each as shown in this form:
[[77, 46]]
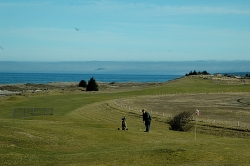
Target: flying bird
[[1, 48], [77, 29]]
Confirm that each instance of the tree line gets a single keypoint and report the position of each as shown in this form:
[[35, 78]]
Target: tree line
[[197, 73]]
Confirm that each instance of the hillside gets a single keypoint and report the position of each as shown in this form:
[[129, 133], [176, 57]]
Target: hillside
[[83, 129]]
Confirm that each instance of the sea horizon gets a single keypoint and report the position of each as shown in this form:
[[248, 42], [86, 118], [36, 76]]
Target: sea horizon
[[43, 78], [125, 67]]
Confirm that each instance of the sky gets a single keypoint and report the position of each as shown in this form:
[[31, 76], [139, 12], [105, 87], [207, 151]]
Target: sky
[[128, 30]]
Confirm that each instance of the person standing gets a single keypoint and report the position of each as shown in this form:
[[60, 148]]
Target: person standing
[[146, 119], [124, 123]]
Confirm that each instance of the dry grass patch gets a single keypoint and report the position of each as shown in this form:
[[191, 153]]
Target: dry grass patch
[[218, 110]]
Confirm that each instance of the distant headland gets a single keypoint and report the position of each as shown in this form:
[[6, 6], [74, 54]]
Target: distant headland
[[126, 67]]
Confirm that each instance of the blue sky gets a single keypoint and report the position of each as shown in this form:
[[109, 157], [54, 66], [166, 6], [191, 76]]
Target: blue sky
[[138, 30]]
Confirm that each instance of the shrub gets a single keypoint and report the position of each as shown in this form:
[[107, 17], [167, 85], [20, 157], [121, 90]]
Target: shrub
[[82, 83], [181, 122], [92, 85]]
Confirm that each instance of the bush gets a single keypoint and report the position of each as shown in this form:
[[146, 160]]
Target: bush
[[92, 85], [82, 83], [181, 122]]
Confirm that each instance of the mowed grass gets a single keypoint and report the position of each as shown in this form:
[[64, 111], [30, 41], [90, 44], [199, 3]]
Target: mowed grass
[[84, 131]]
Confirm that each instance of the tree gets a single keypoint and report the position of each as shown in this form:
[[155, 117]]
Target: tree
[[181, 122], [194, 73], [197, 73], [82, 83], [205, 73], [92, 85]]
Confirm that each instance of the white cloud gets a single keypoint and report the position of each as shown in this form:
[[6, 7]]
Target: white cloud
[[145, 8], [149, 9], [180, 10], [24, 4]]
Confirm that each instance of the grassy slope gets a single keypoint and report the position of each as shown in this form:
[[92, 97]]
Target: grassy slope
[[83, 131]]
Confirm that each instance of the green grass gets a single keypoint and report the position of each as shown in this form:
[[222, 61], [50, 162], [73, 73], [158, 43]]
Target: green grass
[[83, 131]]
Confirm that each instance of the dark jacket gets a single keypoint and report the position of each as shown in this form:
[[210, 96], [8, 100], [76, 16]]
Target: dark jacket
[[146, 117]]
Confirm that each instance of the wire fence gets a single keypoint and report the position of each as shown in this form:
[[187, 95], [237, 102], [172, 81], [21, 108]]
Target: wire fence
[[203, 120], [27, 112]]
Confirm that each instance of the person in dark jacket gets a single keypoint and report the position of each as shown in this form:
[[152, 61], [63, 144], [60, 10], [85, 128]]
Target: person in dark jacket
[[146, 119]]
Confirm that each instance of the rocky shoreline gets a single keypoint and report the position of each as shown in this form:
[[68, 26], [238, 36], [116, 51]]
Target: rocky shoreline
[[19, 89], [24, 89], [6, 92]]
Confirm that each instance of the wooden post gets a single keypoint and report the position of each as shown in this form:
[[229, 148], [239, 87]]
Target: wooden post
[[195, 128]]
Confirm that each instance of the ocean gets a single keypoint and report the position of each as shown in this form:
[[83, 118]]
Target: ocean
[[41, 78]]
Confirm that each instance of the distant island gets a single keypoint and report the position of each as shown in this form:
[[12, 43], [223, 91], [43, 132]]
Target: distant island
[[126, 67]]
